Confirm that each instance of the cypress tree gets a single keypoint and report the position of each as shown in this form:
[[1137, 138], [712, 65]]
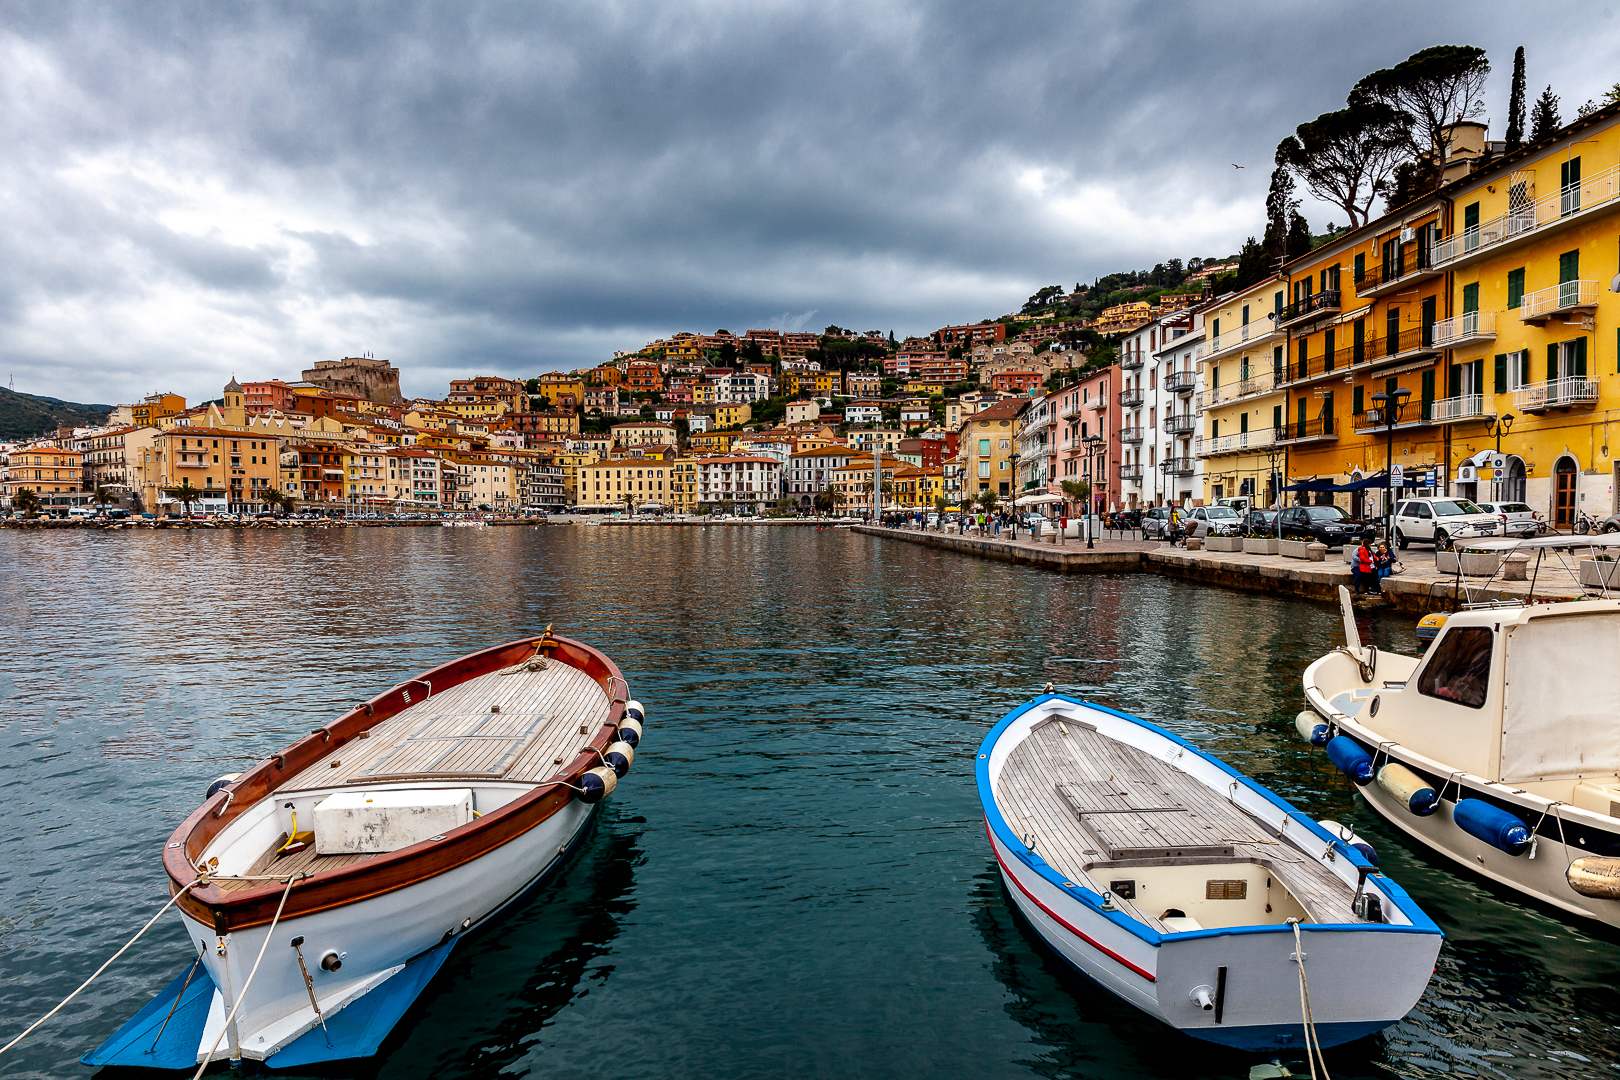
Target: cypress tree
[[1515, 120], [1544, 117]]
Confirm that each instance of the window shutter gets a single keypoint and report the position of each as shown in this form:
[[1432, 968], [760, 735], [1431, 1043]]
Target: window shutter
[[1327, 351], [1515, 287], [1392, 331], [1580, 358], [1243, 423], [1276, 416], [1356, 401], [1358, 341], [1453, 380], [1552, 361], [1569, 266], [1470, 298], [1501, 373], [1361, 267], [1428, 393]]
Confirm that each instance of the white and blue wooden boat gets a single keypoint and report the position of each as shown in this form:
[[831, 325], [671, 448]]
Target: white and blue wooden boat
[[1182, 886]]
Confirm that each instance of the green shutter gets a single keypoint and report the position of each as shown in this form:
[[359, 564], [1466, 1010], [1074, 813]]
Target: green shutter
[[1524, 366], [1276, 416], [1453, 380], [1392, 331], [1214, 429], [1515, 286], [1304, 358], [1580, 358], [1501, 373], [1471, 216], [1327, 351], [1428, 393], [1243, 422], [1470, 298], [1356, 401], [1552, 361], [1361, 267], [1358, 341], [1427, 321], [1569, 266], [1327, 413]]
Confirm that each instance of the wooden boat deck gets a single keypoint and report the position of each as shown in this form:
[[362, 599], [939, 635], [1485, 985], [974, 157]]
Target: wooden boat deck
[[517, 725], [1086, 801]]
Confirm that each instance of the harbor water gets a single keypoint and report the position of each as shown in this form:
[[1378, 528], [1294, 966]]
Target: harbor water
[[794, 880]]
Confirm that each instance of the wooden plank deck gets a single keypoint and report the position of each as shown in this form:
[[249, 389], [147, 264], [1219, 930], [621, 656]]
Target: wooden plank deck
[[517, 726], [267, 865], [1065, 779]]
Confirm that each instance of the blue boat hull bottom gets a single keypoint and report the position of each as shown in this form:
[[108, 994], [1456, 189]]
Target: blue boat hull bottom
[[154, 1039], [1287, 1036]]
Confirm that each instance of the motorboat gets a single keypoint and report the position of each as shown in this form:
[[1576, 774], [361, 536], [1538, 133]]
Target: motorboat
[[322, 889], [1190, 891], [1498, 747]]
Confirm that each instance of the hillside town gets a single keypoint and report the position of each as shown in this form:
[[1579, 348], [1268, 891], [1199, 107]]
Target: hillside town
[[1458, 337]]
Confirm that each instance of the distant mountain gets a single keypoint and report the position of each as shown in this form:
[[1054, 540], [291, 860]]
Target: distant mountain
[[24, 415]]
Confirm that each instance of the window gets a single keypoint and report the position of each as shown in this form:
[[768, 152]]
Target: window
[[1460, 669], [1392, 331], [1569, 183], [1515, 287], [1360, 267], [1470, 298]]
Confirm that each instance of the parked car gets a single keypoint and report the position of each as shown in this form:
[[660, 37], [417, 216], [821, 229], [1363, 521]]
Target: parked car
[[1213, 521], [1260, 521], [1329, 525], [1156, 523], [1441, 522], [1516, 517]]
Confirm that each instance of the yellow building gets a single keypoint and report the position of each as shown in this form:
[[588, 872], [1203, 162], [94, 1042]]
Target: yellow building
[[1243, 402], [628, 481], [926, 387], [563, 390], [734, 414], [712, 442], [476, 410], [232, 473], [482, 481], [683, 485], [155, 407], [985, 450]]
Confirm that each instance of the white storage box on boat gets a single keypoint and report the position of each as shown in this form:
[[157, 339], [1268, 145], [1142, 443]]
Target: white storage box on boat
[[374, 822]]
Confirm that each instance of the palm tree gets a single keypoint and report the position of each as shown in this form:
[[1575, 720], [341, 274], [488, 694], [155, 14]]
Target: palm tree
[[186, 493], [275, 500], [26, 502], [988, 500], [101, 496], [828, 498]]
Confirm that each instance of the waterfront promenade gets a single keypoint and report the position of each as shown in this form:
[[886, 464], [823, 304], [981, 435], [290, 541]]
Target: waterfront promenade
[[1418, 590]]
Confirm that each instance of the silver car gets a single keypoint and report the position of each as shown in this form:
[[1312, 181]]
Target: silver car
[[1516, 517], [1442, 521]]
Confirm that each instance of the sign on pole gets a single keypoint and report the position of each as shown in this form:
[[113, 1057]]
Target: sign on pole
[[1397, 475]]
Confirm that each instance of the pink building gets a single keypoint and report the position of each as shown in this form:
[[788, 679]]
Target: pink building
[[1089, 445]]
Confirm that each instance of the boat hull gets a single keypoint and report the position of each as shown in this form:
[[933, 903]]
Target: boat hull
[[1363, 976]]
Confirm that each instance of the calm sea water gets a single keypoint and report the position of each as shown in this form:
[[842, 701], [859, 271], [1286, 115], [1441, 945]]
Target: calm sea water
[[794, 881]]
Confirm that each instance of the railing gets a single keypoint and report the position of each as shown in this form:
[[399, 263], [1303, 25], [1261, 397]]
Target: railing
[[1070, 411], [1556, 393], [1375, 276], [1232, 444], [1325, 302], [1130, 398], [1465, 328], [1320, 427], [1462, 407], [1556, 298], [1130, 472], [187, 463], [1130, 435], [1371, 351], [1592, 191], [1131, 361], [1237, 336], [1180, 382], [1179, 423], [1179, 466], [1261, 383]]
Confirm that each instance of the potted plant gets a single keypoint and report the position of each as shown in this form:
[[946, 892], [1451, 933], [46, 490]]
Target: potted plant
[[1294, 549], [1600, 573], [1257, 543], [1224, 543]]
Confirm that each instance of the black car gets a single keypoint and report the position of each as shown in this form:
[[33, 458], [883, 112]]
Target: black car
[[1260, 522], [1328, 524]]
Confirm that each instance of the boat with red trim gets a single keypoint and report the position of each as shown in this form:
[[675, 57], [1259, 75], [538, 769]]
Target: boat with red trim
[[322, 889], [1190, 891]]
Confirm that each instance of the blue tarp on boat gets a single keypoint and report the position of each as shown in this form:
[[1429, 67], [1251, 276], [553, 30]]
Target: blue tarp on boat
[[154, 1038]]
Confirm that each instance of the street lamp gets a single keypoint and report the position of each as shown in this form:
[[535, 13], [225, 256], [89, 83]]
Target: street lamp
[[1500, 426], [1093, 451], [1389, 407], [1013, 487]]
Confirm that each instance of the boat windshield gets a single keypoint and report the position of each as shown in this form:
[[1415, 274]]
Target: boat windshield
[[1460, 668], [1453, 507]]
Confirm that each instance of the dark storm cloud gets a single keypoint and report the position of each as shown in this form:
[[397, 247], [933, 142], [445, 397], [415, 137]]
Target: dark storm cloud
[[196, 188]]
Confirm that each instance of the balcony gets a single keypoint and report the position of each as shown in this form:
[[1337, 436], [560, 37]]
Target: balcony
[[1179, 424], [1130, 472], [1242, 442], [1379, 279], [1566, 298], [1132, 361], [1310, 309], [1371, 421], [1179, 466], [1130, 398], [1567, 393], [1180, 382], [188, 463], [1319, 429], [1470, 328], [1099, 402], [1262, 383], [1132, 435], [1464, 407], [1070, 411], [1544, 215], [1413, 343], [1255, 333]]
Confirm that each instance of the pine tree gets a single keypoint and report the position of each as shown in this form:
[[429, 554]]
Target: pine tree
[[1544, 117], [1515, 120]]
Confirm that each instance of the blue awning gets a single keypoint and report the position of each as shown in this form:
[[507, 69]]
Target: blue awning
[[1312, 485], [1378, 482]]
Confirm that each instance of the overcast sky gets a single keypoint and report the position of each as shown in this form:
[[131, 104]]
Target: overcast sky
[[194, 190]]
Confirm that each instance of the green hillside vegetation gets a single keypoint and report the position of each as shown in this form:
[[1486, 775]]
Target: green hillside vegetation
[[24, 415]]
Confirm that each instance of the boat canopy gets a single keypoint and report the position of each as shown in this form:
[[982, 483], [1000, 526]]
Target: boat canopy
[[1543, 543]]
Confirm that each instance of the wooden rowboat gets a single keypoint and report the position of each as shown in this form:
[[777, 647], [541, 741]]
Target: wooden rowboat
[[325, 886]]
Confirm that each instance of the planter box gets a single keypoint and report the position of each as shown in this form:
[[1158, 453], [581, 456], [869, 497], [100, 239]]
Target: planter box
[[1599, 574], [1224, 543], [1267, 546], [1294, 549], [1474, 563]]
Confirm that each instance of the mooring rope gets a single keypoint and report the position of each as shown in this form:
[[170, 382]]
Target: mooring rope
[[1313, 1045], [209, 1057], [178, 894]]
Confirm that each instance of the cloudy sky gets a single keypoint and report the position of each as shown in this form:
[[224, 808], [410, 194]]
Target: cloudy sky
[[194, 190]]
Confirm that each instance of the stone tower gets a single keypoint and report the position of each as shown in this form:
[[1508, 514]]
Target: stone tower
[[361, 376]]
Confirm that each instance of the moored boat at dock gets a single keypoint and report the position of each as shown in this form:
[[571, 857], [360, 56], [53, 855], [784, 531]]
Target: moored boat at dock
[[1190, 891], [323, 888]]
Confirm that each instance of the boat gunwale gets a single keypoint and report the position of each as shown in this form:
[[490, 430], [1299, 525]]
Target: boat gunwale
[[1420, 921], [395, 870]]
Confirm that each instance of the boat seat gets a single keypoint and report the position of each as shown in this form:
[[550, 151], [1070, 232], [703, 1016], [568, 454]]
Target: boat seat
[[1181, 924], [1600, 796], [1350, 702]]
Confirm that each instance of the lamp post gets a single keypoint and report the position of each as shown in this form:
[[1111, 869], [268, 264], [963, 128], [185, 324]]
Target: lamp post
[[1390, 406], [1501, 425], [1012, 501], [1093, 452]]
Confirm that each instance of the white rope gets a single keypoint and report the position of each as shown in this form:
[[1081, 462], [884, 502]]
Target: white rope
[[1313, 1045], [209, 1057], [178, 894]]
